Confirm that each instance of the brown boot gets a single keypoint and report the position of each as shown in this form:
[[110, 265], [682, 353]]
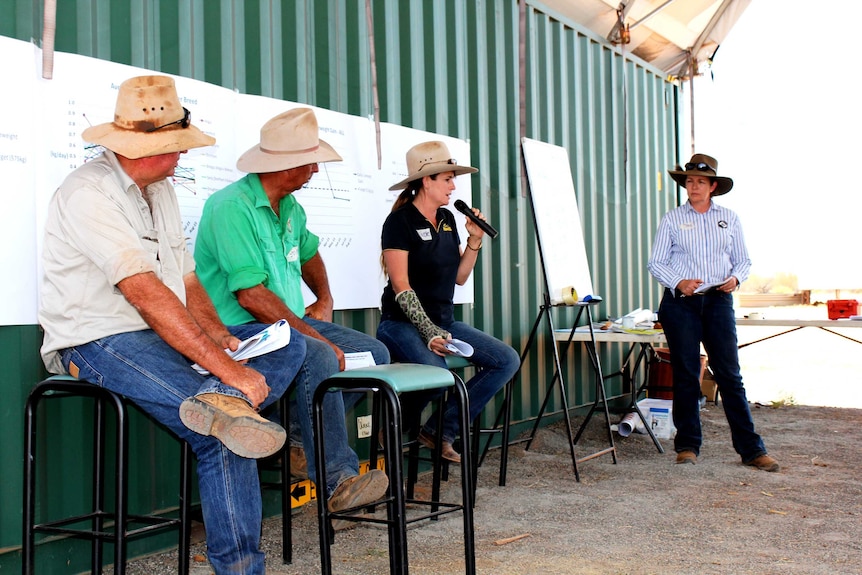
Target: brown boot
[[764, 463], [356, 491], [686, 457], [447, 451], [298, 463], [232, 421]]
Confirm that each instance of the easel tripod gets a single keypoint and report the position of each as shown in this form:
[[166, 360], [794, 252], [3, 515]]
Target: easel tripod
[[600, 399]]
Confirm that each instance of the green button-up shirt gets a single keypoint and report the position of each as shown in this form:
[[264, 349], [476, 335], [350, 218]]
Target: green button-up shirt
[[242, 243]]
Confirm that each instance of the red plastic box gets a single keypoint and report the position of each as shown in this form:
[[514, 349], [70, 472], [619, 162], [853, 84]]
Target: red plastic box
[[838, 308]]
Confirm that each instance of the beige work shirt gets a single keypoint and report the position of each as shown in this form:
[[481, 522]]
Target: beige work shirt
[[99, 231]]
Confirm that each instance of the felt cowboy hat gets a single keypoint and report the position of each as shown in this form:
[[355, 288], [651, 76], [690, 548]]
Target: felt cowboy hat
[[148, 120], [427, 159], [702, 165], [287, 141]]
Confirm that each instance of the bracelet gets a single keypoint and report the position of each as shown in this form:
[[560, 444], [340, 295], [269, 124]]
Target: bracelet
[[475, 249]]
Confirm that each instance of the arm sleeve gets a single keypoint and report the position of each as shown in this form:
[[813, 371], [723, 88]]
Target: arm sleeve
[[412, 308]]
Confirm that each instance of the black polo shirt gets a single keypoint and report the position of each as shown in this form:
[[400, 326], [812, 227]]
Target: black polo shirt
[[432, 261]]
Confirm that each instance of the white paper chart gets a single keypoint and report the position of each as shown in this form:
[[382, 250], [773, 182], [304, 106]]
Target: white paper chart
[[40, 144]]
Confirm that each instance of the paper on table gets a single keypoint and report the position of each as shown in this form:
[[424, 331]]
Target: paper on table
[[354, 360], [273, 337], [460, 348]]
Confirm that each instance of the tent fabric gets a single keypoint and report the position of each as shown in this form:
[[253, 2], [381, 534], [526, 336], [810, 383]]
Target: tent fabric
[[663, 32]]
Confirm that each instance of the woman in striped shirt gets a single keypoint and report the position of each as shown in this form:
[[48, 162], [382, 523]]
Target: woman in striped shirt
[[699, 256]]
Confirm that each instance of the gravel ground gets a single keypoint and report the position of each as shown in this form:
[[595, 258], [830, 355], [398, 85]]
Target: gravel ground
[[643, 515]]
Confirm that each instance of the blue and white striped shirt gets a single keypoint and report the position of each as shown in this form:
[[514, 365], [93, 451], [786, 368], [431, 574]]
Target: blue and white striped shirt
[[691, 245]]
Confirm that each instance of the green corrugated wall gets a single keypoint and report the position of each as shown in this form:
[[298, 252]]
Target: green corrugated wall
[[447, 66]]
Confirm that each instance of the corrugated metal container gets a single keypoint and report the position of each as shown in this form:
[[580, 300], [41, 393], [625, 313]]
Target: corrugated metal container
[[445, 66]]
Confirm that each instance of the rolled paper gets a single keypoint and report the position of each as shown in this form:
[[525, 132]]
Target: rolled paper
[[627, 424], [570, 296]]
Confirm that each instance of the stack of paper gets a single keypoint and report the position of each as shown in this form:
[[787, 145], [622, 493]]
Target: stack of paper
[[459, 347], [274, 337]]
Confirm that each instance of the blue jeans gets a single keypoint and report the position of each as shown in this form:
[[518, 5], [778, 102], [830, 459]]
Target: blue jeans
[[496, 364], [143, 368], [688, 321], [319, 364]]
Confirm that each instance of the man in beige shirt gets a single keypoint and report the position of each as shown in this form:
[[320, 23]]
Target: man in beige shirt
[[122, 308]]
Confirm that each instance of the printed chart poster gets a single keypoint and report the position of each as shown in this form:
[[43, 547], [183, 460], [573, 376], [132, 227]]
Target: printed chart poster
[[18, 130], [40, 144]]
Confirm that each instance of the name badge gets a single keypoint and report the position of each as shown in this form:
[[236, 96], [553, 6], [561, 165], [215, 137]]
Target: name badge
[[685, 226], [293, 254], [424, 234]]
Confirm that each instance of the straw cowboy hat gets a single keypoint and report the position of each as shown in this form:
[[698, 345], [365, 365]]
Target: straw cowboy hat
[[427, 159], [287, 141], [702, 165], [148, 120]]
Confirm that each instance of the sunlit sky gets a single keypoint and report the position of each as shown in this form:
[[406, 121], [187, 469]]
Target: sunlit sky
[[779, 112]]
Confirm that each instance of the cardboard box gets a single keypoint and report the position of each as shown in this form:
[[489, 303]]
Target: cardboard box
[[708, 387], [839, 308]]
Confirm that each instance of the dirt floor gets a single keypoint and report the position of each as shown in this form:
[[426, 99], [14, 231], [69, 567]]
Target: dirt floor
[[642, 515]]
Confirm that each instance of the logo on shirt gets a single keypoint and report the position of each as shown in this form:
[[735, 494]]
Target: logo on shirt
[[722, 224], [424, 234], [293, 254], [447, 228], [290, 225]]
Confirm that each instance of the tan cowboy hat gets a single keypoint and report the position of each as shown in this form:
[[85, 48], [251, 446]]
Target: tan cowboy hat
[[148, 120], [427, 159], [287, 141], [702, 165]]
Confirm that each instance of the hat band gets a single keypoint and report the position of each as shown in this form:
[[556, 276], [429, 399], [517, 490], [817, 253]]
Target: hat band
[[450, 161], [289, 152]]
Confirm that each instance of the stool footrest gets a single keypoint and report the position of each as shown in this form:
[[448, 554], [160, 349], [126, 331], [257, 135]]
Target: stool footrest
[[153, 522]]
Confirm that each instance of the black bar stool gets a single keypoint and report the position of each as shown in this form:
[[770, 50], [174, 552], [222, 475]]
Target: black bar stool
[[386, 382], [122, 524]]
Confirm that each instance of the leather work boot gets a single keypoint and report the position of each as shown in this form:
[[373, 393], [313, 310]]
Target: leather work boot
[[298, 463], [764, 463], [357, 491], [686, 457], [447, 451], [232, 421]]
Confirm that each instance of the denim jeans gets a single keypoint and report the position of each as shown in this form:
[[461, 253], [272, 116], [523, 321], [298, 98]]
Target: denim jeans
[[349, 341], [688, 321], [319, 364], [496, 363], [143, 368]]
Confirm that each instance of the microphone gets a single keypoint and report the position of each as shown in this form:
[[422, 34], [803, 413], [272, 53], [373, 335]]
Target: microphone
[[486, 227]]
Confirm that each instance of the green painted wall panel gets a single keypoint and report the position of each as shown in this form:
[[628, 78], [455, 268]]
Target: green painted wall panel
[[448, 66]]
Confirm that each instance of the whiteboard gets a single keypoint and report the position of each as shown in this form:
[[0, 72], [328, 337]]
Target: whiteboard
[[346, 202], [558, 221]]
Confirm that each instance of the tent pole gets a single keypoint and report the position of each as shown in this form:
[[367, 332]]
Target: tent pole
[[692, 73]]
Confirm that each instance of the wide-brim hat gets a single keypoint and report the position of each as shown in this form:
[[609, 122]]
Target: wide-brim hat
[[702, 165], [427, 159], [287, 141], [148, 120]]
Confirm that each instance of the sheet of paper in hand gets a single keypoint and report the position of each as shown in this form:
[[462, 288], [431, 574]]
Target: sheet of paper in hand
[[273, 337], [458, 347]]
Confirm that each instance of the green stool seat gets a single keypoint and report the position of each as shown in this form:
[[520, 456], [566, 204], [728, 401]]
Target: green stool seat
[[401, 377], [457, 362]]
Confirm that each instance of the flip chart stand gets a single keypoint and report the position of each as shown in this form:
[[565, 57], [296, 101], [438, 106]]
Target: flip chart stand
[[584, 309]]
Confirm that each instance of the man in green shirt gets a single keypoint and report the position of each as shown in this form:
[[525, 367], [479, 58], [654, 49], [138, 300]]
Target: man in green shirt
[[254, 251]]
